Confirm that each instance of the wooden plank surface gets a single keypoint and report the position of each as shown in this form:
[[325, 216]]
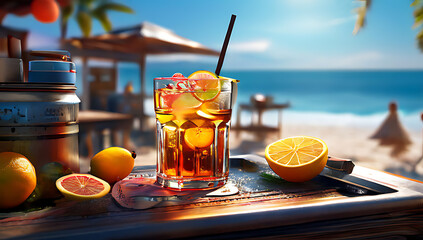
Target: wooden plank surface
[[287, 213]]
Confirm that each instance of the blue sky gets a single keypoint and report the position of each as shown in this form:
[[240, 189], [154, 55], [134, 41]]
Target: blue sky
[[272, 34]]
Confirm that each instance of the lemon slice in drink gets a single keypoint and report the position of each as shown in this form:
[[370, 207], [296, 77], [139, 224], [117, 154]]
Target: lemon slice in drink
[[185, 101], [297, 159], [205, 85]]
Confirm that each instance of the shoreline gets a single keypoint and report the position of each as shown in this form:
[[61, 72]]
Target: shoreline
[[345, 139], [411, 121], [347, 136]]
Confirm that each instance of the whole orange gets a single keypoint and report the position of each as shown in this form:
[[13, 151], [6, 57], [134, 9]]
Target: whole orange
[[17, 179], [112, 164], [45, 11]]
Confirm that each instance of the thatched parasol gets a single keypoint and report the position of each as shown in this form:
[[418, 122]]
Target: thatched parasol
[[133, 44], [392, 133]]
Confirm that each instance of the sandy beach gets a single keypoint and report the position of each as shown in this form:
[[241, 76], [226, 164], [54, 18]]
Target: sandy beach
[[347, 136]]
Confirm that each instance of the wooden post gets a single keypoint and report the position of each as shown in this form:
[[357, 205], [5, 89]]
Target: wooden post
[[85, 85], [142, 85], [238, 117], [280, 123], [116, 75]]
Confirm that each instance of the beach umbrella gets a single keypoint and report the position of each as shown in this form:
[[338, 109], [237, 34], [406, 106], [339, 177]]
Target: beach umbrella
[[392, 133], [133, 44]]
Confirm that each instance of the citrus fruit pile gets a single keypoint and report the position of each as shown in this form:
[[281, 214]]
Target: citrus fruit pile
[[107, 167], [18, 180], [297, 159]]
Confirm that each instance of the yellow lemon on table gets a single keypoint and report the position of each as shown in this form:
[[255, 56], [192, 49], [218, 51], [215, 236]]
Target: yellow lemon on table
[[81, 187], [17, 179], [112, 164], [297, 159]]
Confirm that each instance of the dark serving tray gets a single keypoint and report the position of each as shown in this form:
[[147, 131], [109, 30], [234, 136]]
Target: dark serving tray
[[250, 174]]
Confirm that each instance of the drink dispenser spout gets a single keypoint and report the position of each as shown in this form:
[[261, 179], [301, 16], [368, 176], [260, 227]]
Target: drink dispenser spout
[[11, 67]]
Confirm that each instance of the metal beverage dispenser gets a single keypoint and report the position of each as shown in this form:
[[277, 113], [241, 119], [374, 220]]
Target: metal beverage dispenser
[[38, 117]]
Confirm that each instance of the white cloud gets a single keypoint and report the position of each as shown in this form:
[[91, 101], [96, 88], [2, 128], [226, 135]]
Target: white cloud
[[304, 60], [181, 57], [39, 41], [301, 3], [311, 25], [338, 21], [251, 46]]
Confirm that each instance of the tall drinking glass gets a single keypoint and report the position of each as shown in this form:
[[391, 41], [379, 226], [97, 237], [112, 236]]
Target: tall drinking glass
[[193, 120]]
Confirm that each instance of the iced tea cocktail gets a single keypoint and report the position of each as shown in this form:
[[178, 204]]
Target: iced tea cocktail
[[193, 120]]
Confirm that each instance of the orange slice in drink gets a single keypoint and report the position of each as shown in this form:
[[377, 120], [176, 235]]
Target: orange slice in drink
[[297, 159], [199, 137], [206, 115], [82, 186], [205, 85]]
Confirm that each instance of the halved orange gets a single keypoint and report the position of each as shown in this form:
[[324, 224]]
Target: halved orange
[[205, 85], [199, 137], [82, 186], [297, 159]]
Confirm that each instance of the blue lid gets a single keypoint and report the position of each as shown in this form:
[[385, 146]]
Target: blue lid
[[50, 71]]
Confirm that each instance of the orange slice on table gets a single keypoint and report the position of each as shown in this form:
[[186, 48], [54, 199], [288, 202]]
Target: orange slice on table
[[206, 85], [82, 186], [199, 137], [297, 159]]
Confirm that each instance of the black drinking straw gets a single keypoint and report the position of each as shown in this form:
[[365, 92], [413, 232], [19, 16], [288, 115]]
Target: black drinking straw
[[225, 45]]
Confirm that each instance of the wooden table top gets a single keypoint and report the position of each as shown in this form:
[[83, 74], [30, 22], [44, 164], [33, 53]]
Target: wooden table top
[[320, 208], [88, 116]]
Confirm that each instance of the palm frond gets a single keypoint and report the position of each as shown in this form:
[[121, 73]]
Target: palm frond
[[361, 15], [102, 17], [415, 3], [418, 17], [67, 12], [85, 23], [117, 7], [418, 21]]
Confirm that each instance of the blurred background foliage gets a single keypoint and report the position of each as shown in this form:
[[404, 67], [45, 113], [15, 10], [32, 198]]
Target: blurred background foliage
[[418, 18], [86, 10]]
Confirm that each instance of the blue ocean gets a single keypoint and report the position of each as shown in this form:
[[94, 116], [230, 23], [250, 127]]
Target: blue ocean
[[359, 92]]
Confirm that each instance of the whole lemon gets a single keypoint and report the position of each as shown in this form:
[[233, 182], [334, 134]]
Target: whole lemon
[[17, 179], [112, 164]]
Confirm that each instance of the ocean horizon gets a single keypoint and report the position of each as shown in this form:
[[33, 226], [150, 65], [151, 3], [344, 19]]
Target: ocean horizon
[[329, 94]]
